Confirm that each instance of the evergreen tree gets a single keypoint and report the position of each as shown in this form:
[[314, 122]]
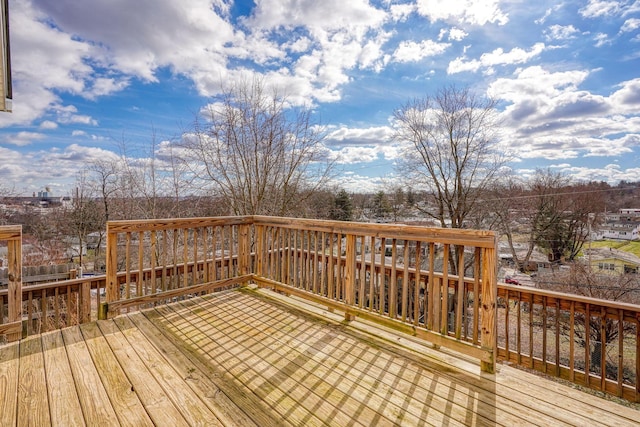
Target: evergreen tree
[[342, 207]]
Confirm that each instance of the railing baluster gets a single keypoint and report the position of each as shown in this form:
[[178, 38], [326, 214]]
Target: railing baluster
[[154, 261], [572, 356], [587, 347], [531, 332], [620, 351], [405, 282], [383, 273], [444, 308], [350, 273], [507, 323], [519, 329], [544, 334], [476, 294], [459, 291], [603, 348], [393, 281], [557, 332], [433, 294]]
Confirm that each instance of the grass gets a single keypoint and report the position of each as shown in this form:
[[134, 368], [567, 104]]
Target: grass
[[621, 245]]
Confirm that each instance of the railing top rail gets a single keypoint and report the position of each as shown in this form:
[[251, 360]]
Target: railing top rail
[[59, 284], [477, 238], [10, 232], [571, 297], [174, 223]]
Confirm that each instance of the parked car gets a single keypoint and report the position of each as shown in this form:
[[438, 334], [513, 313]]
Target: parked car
[[510, 280]]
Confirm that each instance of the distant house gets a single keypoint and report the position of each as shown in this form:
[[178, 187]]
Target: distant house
[[623, 225], [612, 261], [537, 261]]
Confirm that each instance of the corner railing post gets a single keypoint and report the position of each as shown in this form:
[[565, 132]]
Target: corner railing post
[[350, 274], [14, 259], [113, 289], [489, 296]]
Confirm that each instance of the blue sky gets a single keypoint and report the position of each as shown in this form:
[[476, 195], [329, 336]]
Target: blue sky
[[92, 76]]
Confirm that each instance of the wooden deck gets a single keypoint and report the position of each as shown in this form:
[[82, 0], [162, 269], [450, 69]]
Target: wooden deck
[[239, 358]]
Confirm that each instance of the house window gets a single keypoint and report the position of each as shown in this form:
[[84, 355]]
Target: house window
[[606, 266]]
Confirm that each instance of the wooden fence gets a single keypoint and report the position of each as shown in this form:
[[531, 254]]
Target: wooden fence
[[41, 274]]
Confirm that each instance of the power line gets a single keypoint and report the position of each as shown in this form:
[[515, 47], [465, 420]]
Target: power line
[[569, 193]]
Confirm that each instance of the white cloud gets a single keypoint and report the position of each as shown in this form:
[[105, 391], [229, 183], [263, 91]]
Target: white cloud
[[23, 138], [400, 12], [67, 115], [78, 133], [549, 116], [342, 36], [457, 34], [561, 32], [48, 125], [355, 16], [496, 57], [598, 8], [630, 25], [627, 98], [601, 39], [548, 13], [611, 173], [410, 51], [378, 135], [352, 155], [475, 12], [106, 86], [142, 36]]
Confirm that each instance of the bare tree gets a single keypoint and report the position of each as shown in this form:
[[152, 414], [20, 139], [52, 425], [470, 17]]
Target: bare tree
[[5, 193], [451, 138], [549, 211], [397, 202], [146, 181], [260, 155], [83, 217], [103, 177]]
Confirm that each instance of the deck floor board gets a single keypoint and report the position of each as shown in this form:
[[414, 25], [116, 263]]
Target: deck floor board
[[247, 359], [9, 366], [94, 400], [139, 371], [64, 405], [33, 401]]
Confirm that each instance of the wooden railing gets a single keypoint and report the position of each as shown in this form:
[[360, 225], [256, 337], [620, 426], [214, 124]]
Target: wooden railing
[[587, 341], [55, 305], [436, 284], [365, 270], [12, 327], [177, 256]]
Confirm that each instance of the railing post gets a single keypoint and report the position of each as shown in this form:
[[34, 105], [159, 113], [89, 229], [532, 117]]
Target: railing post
[[489, 296], [244, 251], [113, 290], [259, 250], [14, 259], [85, 302], [350, 274]]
